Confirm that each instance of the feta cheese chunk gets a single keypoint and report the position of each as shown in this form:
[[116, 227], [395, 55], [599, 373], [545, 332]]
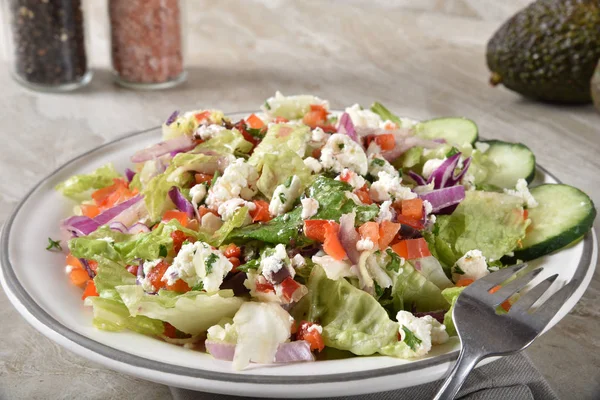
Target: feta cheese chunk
[[364, 244], [470, 266], [522, 191], [309, 207], [273, 261], [388, 188], [313, 164], [334, 269], [315, 327], [364, 118], [318, 136], [198, 193], [285, 196], [199, 263], [427, 207], [228, 208], [206, 132], [419, 328], [147, 267], [386, 212], [342, 152], [430, 166], [438, 331], [377, 164], [238, 180], [352, 178], [298, 261]]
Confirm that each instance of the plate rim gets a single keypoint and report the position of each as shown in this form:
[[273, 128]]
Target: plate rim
[[40, 315]]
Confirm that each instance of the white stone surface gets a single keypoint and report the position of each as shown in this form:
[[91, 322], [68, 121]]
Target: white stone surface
[[421, 59]]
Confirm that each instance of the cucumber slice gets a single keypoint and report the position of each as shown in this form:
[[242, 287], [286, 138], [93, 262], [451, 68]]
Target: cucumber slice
[[512, 161], [564, 214], [456, 130]]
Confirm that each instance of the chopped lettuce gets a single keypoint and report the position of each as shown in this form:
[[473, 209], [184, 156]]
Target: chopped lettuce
[[78, 186], [237, 221], [278, 167], [112, 315], [192, 312], [451, 295], [291, 107], [278, 138], [333, 202], [283, 229], [110, 274], [411, 291], [227, 141], [487, 221], [351, 318]]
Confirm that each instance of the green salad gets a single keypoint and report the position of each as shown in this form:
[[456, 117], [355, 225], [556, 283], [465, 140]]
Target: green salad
[[297, 231]]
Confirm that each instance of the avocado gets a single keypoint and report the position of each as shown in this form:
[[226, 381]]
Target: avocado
[[596, 87], [548, 50]]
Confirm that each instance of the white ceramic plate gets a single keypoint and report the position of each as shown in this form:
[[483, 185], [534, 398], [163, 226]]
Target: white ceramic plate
[[36, 284]]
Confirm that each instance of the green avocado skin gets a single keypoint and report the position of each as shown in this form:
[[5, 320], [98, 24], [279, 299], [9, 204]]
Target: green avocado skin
[[548, 50]]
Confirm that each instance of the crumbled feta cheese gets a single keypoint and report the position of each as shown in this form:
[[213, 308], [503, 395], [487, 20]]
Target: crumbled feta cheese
[[428, 207], [363, 118], [438, 331], [199, 262], [315, 327], [298, 261], [276, 259], [238, 180], [430, 166], [482, 146], [342, 152], [221, 333], [377, 164], [373, 149], [352, 178], [206, 132], [285, 196], [318, 136], [250, 284], [334, 269], [309, 207], [145, 282], [313, 164], [228, 208], [364, 244], [68, 269], [522, 191], [197, 193], [388, 188], [419, 327], [386, 212], [354, 198], [470, 266]]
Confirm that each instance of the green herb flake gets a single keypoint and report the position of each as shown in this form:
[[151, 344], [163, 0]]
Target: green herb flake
[[267, 106], [53, 245], [250, 265], [282, 198], [256, 132], [410, 338], [199, 287], [214, 179], [341, 146], [210, 262], [380, 162], [395, 261], [288, 181], [452, 151], [458, 270], [186, 241], [163, 251]]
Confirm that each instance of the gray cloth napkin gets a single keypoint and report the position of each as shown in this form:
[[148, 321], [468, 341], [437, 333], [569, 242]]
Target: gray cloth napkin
[[514, 377]]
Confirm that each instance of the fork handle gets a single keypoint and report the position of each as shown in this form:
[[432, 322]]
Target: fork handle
[[467, 360]]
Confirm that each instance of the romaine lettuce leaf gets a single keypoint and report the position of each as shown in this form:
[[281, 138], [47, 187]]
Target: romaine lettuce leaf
[[451, 295], [112, 315], [227, 141], [78, 186], [333, 202], [411, 291], [192, 312], [277, 138], [351, 318], [290, 107], [283, 229], [487, 221], [237, 221], [110, 274], [278, 167]]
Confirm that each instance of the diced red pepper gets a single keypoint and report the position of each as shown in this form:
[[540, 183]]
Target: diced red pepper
[[260, 212], [174, 214], [413, 208], [413, 223], [232, 251], [90, 290], [288, 287], [386, 141], [312, 336], [363, 195], [387, 232], [202, 178], [254, 122], [411, 249], [315, 229], [264, 287], [332, 245]]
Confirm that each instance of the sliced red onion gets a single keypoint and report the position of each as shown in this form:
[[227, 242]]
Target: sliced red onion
[[80, 225], [87, 268], [346, 127], [138, 227], [440, 140], [277, 277], [181, 202], [235, 282], [417, 178], [443, 198], [182, 143], [172, 118], [455, 179], [349, 237], [294, 352], [437, 315], [444, 172], [129, 174], [108, 215], [118, 226], [286, 352], [220, 350]]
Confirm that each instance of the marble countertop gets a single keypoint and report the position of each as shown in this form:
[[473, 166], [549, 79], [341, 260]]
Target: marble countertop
[[419, 62]]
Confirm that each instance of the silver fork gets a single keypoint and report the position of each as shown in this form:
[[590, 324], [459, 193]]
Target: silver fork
[[484, 333]]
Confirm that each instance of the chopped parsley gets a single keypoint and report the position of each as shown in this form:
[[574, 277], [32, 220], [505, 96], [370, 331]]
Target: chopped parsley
[[214, 179], [210, 262], [256, 132], [458, 270], [452, 152], [198, 287], [186, 241], [282, 198], [341, 146], [395, 261], [267, 106], [53, 245], [288, 181], [163, 251], [380, 162], [378, 291], [410, 338], [250, 265]]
